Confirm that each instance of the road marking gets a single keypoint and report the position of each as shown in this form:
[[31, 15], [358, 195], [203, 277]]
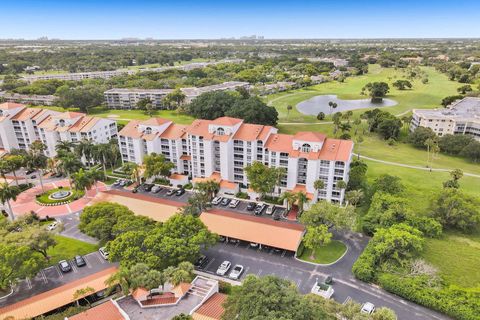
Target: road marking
[[209, 264], [87, 262], [75, 270], [283, 253], [347, 300], [44, 276], [60, 274], [29, 283], [237, 244], [259, 272]]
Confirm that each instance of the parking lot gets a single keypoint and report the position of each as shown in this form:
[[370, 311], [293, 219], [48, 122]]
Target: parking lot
[[240, 208], [52, 277]]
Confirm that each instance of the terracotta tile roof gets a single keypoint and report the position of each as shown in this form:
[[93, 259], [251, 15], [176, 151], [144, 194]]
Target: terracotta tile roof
[[131, 130], [227, 121], [166, 298], [10, 105], [185, 157], [310, 136], [199, 127], [155, 122], [55, 298], [176, 176], [215, 177], [69, 115], [47, 123], [302, 188], [280, 143], [174, 131], [181, 289], [140, 294], [152, 207], [279, 234], [84, 124], [225, 184], [250, 132], [336, 150], [211, 309], [27, 113], [104, 311]]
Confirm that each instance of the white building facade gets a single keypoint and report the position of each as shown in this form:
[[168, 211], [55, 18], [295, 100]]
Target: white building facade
[[220, 149]]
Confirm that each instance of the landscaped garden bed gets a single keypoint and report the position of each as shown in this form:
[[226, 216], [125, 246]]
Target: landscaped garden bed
[[59, 196], [323, 254]]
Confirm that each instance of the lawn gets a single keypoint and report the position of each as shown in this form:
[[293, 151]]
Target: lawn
[[457, 258], [67, 248], [421, 96], [325, 254]]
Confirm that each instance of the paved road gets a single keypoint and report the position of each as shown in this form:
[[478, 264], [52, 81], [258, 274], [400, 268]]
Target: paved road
[[284, 265], [52, 277], [70, 228]]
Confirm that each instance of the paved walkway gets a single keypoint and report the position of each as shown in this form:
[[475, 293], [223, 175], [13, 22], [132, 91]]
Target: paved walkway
[[25, 202], [415, 167]]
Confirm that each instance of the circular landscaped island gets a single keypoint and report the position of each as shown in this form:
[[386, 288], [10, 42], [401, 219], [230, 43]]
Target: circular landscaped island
[[59, 196]]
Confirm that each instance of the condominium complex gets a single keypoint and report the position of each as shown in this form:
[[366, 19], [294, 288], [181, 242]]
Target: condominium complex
[[34, 99], [462, 117], [220, 149], [20, 126], [127, 98]]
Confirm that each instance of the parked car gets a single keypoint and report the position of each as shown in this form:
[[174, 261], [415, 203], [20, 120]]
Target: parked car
[[33, 176], [201, 262], [233, 240], [52, 226], [234, 203], [270, 210], [329, 279], [179, 192], [251, 206], [135, 190], [225, 202], [222, 238], [79, 261], [258, 209], [277, 216], [216, 201], [103, 252], [171, 192], [148, 186], [253, 245], [64, 266], [236, 272], [57, 175], [29, 172], [368, 308], [123, 183], [156, 189], [224, 267], [117, 182]]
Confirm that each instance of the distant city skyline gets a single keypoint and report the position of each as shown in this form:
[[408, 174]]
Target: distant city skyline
[[213, 19]]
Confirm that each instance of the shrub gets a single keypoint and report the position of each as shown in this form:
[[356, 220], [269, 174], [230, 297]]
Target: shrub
[[224, 287], [188, 186], [272, 200], [364, 267], [241, 195], [300, 250]]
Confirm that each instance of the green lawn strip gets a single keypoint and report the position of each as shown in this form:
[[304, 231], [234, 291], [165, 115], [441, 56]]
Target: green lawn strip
[[44, 197], [457, 258], [426, 96], [325, 254], [67, 248]]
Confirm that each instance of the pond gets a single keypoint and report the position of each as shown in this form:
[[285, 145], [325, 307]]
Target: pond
[[316, 104]]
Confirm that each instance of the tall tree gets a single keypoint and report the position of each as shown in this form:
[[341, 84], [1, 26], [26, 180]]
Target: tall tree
[[14, 163], [289, 197], [8, 193], [82, 180], [316, 236], [156, 165]]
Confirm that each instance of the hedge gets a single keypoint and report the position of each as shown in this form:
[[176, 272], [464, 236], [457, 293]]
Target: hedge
[[459, 303]]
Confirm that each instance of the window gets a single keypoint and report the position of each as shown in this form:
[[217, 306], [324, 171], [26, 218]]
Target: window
[[306, 147], [220, 131], [148, 130]]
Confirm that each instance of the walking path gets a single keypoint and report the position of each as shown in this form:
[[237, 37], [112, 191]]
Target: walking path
[[414, 167]]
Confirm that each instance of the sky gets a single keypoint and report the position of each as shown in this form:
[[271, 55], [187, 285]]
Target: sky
[[208, 19]]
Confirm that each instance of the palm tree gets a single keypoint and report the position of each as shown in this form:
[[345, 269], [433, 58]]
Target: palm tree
[[15, 162], [82, 180], [354, 197], [290, 197], [341, 184], [37, 160], [8, 193], [209, 187], [100, 153], [4, 169], [83, 150], [64, 146], [302, 198], [120, 278], [96, 175], [69, 164], [133, 170], [83, 294], [318, 184], [52, 164], [289, 107]]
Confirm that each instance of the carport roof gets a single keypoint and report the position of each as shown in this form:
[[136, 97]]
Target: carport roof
[[55, 298], [278, 234], [152, 207]]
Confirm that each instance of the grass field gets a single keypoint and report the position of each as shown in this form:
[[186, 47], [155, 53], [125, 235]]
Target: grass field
[[421, 96], [326, 254], [457, 258], [67, 248]]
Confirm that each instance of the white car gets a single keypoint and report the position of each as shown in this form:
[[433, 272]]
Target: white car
[[52, 226], [236, 272], [234, 203], [216, 201], [156, 189], [103, 252], [270, 209], [368, 308], [223, 268]]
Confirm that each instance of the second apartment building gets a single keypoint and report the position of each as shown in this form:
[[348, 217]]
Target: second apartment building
[[220, 149]]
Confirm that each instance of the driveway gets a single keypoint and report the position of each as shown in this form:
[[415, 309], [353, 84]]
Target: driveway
[[70, 228], [282, 264]]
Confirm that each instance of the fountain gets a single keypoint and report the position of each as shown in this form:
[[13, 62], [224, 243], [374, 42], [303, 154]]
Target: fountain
[[59, 195]]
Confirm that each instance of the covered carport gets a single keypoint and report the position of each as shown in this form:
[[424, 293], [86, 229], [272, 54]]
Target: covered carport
[[264, 231]]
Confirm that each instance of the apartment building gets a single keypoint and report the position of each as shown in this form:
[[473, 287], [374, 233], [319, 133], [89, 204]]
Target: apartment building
[[34, 99], [78, 76], [127, 98], [220, 149], [20, 126], [461, 117]]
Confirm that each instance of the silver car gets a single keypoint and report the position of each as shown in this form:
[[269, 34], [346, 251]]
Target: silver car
[[236, 272], [223, 268], [216, 201]]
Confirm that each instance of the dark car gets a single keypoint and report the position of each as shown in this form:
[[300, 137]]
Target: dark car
[[170, 192], [29, 172], [134, 190], [64, 266], [179, 192], [258, 209], [201, 262], [329, 279], [148, 186], [277, 216], [58, 175], [225, 202], [79, 261], [251, 206]]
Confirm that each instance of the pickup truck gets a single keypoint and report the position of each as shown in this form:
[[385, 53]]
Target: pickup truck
[[323, 290]]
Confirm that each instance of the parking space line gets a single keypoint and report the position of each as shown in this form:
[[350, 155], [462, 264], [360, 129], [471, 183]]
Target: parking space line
[[89, 265], [237, 244], [283, 253], [60, 274], [209, 264], [44, 276], [29, 283], [100, 259], [74, 268], [347, 300], [259, 272]]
